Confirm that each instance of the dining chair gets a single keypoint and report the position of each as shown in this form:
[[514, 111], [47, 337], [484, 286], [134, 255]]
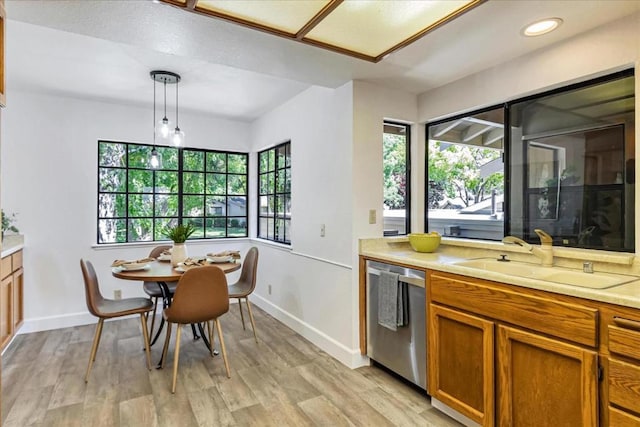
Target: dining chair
[[201, 296], [153, 288], [104, 308], [245, 286]]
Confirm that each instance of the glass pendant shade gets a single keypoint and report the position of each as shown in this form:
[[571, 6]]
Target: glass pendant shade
[[155, 160], [164, 129], [178, 137]]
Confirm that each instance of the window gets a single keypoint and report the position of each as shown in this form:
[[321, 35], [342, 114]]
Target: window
[[465, 180], [205, 188], [274, 208], [570, 168], [397, 178]]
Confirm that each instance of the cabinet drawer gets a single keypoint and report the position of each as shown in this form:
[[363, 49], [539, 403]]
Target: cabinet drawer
[[620, 418], [572, 322], [624, 385], [624, 337], [16, 260], [5, 266]]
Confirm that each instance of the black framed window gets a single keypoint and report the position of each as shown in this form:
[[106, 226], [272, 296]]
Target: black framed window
[[396, 166], [203, 187], [274, 192], [569, 168]]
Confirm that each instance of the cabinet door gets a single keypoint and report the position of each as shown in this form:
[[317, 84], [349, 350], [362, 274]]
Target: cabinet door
[[544, 382], [18, 300], [6, 316], [461, 361]]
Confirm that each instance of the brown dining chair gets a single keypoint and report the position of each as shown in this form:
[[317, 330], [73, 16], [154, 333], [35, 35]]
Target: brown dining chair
[[153, 288], [201, 296], [104, 308], [245, 286]]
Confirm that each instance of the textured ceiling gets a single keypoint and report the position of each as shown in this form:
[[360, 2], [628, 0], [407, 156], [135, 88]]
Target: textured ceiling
[[105, 50]]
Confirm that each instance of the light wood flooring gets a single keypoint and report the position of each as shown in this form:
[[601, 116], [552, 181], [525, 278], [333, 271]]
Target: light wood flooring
[[282, 381]]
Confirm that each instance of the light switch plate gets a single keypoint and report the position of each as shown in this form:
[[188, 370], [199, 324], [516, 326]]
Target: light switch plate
[[372, 216]]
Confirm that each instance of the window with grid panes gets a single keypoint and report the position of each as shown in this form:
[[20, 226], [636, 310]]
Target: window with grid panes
[[274, 192], [203, 187]]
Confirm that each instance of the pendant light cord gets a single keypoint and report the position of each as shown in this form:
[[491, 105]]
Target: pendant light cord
[[177, 85], [165, 98], [154, 112]]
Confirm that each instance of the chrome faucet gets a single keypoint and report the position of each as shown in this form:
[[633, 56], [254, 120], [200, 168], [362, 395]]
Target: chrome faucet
[[544, 252]]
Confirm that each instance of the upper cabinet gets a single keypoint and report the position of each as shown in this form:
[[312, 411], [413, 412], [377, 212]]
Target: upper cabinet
[[3, 19]]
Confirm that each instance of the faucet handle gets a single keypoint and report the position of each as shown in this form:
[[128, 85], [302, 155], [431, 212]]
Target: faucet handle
[[545, 238]]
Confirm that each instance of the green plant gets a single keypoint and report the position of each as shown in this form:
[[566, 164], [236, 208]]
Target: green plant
[[7, 223], [179, 233]]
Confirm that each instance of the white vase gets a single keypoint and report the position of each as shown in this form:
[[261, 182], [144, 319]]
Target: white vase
[[178, 253]]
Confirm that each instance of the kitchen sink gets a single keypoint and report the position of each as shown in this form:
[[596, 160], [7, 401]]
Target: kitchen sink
[[559, 275]]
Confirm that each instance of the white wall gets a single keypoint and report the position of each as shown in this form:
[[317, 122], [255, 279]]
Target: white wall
[[49, 177], [311, 280]]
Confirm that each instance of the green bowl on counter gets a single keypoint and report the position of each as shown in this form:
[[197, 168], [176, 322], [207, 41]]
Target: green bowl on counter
[[424, 242]]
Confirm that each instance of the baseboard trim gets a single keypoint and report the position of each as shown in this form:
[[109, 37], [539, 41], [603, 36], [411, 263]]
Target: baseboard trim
[[349, 357], [58, 322]]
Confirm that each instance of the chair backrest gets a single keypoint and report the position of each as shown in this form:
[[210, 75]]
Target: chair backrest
[[201, 295], [249, 270], [91, 288], [157, 251]]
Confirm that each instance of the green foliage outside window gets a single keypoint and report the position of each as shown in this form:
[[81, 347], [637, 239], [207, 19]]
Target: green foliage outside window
[[136, 203]]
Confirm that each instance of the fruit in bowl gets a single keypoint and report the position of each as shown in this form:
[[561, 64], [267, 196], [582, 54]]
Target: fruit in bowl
[[424, 242]]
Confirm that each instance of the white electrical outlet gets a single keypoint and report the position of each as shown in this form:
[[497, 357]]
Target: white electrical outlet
[[269, 289], [117, 294], [372, 216], [322, 230]]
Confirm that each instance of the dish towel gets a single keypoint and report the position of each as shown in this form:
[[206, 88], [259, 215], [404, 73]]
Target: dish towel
[[392, 301]]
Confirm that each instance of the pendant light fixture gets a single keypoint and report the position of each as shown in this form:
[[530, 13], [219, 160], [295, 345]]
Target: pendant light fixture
[[164, 130], [155, 160]]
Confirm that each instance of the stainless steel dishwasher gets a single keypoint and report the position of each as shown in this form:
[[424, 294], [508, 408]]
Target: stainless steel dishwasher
[[403, 351]]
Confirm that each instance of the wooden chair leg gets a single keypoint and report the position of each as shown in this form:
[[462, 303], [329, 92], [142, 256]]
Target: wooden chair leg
[[176, 356], [253, 323], [241, 315], [166, 344], [153, 316], [211, 337], [94, 348], [145, 336], [222, 347]]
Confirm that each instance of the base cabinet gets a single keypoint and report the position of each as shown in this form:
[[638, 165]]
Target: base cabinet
[[497, 368], [545, 382], [11, 297]]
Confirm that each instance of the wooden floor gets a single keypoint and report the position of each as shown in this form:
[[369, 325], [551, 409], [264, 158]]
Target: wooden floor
[[282, 381]]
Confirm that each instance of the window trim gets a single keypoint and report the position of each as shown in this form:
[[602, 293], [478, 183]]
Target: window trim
[[179, 193], [275, 193]]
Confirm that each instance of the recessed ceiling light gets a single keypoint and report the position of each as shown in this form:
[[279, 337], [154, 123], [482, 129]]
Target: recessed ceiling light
[[541, 27]]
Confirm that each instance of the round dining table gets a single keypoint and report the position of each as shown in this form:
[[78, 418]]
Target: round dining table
[[162, 272]]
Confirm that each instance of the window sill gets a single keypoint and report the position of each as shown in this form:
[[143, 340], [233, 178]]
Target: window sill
[[197, 242]]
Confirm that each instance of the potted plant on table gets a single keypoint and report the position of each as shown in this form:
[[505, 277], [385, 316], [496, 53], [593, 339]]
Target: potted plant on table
[[179, 234]]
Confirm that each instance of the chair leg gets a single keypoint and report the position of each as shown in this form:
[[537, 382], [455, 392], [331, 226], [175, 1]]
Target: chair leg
[[222, 347], [253, 324], [94, 348], [153, 316], [241, 315], [211, 336], [145, 335], [166, 344], [176, 356]]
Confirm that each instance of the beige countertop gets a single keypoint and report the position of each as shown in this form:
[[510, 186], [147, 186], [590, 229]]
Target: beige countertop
[[11, 243], [398, 250]]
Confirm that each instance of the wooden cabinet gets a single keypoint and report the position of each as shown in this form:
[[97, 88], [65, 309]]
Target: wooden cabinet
[[511, 357], [461, 354], [11, 296], [545, 382], [623, 376]]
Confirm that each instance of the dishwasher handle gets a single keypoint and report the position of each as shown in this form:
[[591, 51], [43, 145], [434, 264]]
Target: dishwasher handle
[[415, 281]]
